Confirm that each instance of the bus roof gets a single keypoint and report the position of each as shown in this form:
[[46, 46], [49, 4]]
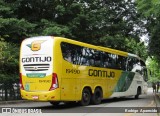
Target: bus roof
[[105, 49]]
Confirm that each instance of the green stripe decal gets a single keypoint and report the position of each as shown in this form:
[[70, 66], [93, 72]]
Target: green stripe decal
[[124, 81]]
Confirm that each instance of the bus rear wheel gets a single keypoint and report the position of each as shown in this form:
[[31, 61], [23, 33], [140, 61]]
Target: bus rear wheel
[[97, 96], [86, 97]]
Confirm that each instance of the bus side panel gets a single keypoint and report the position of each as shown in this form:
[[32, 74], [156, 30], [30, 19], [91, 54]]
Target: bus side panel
[[69, 83], [66, 75], [76, 77], [127, 85], [110, 83]]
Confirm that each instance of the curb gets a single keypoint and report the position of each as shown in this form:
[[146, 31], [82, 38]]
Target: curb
[[14, 102], [157, 101]]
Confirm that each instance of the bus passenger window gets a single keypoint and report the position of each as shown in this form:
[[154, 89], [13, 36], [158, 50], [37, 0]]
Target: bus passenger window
[[80, 55], [66, 53], [68, 56], [97, 58]]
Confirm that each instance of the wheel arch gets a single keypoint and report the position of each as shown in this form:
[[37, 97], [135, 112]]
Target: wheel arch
[[139, 90]]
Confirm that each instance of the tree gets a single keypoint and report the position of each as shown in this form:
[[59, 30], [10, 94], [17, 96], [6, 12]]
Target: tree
[[98, 19], [128, 44], [9, 54], [12, 28], [154, 68], [87, 21], [150, 14]]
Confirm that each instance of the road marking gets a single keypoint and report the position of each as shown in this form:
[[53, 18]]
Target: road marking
[[151, 104], [129, 114]]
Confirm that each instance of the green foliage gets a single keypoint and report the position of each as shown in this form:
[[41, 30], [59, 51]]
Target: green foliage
[[15, 29], [51, 28], [150, 13], [99, 19], [154, 68], [137, 48], [87, 21], [150, 8], [9, 55], [126, 44]]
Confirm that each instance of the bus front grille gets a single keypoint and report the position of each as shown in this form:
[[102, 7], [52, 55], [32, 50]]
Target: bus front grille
[[36, 67]]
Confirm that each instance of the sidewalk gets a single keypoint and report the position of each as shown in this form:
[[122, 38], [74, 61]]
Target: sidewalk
[[14, 102], [157, 99]]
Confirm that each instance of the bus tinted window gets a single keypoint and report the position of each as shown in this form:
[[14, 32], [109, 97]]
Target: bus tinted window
[[72, 53], [80, 55]]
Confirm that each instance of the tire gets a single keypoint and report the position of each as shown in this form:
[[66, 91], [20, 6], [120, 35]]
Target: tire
[[97, 96], [138, 93], [56, 103], [86, 97], [136, 96]]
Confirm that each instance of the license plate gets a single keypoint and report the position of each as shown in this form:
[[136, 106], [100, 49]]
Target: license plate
[[35, 97]]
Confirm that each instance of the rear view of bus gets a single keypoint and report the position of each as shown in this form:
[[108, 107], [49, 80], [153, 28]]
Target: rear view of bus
[[37, 79]]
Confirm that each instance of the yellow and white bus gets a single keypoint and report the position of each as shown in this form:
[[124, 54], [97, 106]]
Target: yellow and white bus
[[58, 69]]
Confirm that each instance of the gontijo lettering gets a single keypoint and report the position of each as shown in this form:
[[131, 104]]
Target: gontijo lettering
[[37, 59], [101, 73]]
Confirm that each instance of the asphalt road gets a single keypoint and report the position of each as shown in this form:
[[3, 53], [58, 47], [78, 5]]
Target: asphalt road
[[110, 107]]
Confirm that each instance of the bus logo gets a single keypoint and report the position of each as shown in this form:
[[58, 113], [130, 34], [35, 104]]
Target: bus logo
[[35, 45]]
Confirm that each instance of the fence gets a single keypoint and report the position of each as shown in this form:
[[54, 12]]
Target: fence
[[9, 91]]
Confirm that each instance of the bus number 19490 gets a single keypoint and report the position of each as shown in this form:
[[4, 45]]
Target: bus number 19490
[[73, 71]]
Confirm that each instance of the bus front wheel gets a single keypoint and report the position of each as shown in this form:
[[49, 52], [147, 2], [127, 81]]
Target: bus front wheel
[[138, 93], [86, 97]]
